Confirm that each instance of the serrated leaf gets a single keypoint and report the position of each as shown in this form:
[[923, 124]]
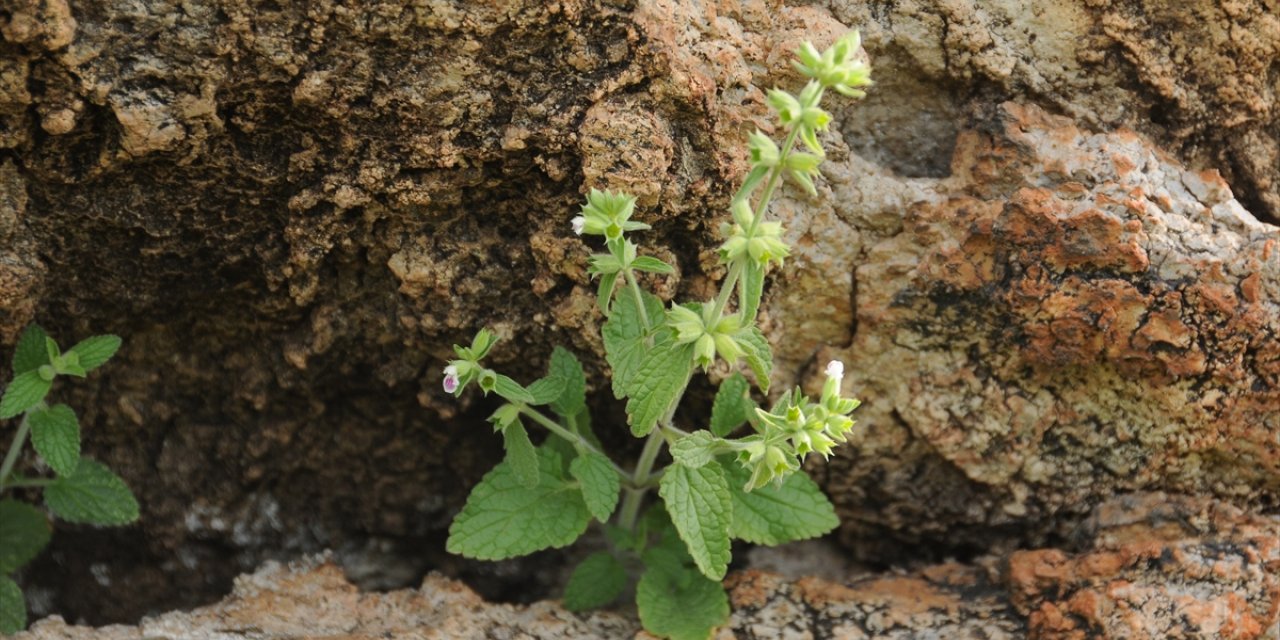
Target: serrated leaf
[[652, 265], [700, 508], [511, 390], [751, 291], [55, 432], [624, 337], [565, 366], [596, 581], [26, 391], [505, 519], [732, 406], [695, 449], [30, 354], [521, 455], [13, 609], [759, 355], [600, 483], [604, 295], [662, 374], [546, 389], [675, 601], [92, 494], [24, 533], [773, 514]]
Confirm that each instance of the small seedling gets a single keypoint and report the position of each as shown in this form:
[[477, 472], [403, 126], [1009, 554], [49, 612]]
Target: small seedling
[[719, 486], [79, 491]]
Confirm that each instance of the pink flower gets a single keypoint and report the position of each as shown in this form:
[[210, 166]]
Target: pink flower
[[451, 380]]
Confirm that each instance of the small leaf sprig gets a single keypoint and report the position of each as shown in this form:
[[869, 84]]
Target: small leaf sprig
[[81, 490], [718, 487]]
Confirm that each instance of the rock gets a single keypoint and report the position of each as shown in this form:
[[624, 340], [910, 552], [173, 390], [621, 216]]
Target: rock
[[1153, 566], [291, 211]]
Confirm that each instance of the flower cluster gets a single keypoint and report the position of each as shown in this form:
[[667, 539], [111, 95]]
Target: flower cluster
[[795, 428], [466, 369], [709, 335], [607, 214]]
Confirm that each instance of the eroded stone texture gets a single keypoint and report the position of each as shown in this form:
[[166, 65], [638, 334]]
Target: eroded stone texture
[[1153, 566], [1073, 317], [290, 210]]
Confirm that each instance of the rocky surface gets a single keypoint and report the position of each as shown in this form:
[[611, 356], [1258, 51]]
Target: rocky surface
[[290, 210], [1154, 567]]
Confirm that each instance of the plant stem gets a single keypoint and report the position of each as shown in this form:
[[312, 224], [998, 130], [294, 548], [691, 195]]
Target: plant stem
[[635, 291], [33, 482], [577, 440], [635, 494], [15, 448]]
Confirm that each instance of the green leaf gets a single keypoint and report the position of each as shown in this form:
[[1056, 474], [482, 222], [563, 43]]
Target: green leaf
[[751, 291], [521, 455], [701, 510], [675, 601], [505, 519], [600, 483], [652, 265], [604, 296], [30, 354], [695, 449], [597, 581], [776, 513], [624, 337], [565, 366], [24, 533], [511, 390], [663, 372], [546, 389], [55, 432], [26, 391], [92, 494], [759, 355], [13, 609], [732, 406]]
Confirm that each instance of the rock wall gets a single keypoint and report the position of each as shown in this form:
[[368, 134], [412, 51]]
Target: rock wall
[[1037, 246]]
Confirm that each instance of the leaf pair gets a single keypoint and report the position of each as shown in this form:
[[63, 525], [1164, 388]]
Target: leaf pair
[[37, 360], [505, 518]]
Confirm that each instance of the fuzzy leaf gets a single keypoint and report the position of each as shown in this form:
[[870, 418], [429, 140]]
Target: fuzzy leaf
[[675, 601], [92, 494], [597, 581], [24, 533], [30, 353], [732, 406], [773, 514], [695, 449], [604, 296], [751, 291], [13, 609], [55, 432], [511, 390], [701, 510], [546, 389], [624, 337], [759, 355], [521, 455], [655, 388], [95, 351], [600, 483], [26, 391], [565, 366], [652, 265], [505, 519]]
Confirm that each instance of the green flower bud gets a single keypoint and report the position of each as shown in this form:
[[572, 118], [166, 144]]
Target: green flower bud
[[764, 152], [704, 350]]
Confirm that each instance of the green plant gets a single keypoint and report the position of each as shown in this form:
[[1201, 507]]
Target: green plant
[[80, 491], [718, 487]]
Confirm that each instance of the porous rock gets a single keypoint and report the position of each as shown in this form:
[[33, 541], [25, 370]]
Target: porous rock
[[290, 210], [1151, 566]]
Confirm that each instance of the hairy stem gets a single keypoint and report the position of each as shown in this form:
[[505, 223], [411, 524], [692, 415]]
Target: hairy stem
[[640, 480], [635, 291], [577, 440], [15, 448]]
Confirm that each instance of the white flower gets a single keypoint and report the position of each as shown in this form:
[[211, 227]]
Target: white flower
[[579, 223], [451, 379], [835, 369]]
